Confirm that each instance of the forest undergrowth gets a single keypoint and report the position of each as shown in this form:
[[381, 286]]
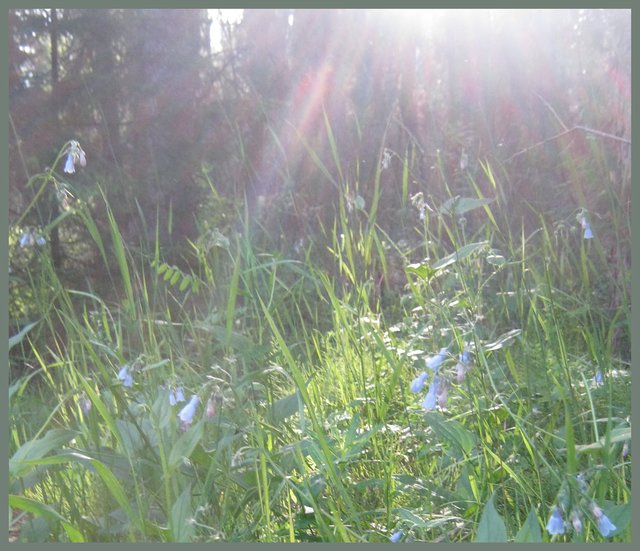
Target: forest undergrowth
[[468, 380]]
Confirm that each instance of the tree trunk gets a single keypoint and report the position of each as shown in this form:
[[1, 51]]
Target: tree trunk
[[56, 249]]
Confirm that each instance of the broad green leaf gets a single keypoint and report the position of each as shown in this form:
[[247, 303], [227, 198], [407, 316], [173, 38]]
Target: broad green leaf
[[460, 205], [416, 521], [27, 455], [46, 511], [461, 253], [286, 407], [530, 531], [491, 528], [421, 269], [363, 485], [35, 530], [131, 439], [496, 259], [116, 490], [186, 444], [17, 338], [181, 514], [162, 410], [407, 515], [452, 432]]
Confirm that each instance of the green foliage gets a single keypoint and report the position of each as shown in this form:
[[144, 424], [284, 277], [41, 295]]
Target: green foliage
[[386, 333], [491, 528]]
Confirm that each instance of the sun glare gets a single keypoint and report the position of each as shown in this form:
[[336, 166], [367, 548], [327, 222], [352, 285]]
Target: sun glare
[[218, 17]]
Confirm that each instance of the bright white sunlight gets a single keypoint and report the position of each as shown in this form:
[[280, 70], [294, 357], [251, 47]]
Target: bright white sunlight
[[288, 275]]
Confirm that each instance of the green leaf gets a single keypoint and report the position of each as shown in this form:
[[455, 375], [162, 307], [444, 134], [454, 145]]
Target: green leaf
[[461, 253], [185, 282], [35, 530], [452, 432], [496, 259], [217, 239], [195, 286], [359, 202], [460, 205], [421, 269], [182, 527], [186, 444], [491, 527], [530, 531], [620, 516], [33, 450], [48, 512], [503, 340], [411, 518], [116, 490], [175, 277], [286, 407], [619, 434], [17, 338], [131, 439]]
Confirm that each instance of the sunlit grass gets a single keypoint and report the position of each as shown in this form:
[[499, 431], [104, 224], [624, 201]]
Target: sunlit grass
[[306, 428]]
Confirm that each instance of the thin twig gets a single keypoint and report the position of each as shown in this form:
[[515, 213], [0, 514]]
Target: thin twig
[[564, 133], [564, 126]]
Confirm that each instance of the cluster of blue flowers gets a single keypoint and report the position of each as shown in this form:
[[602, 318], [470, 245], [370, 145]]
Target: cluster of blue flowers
[[31, 237], [556, 525], [125, 376], [438, 391], [75, 155], [176, 395]]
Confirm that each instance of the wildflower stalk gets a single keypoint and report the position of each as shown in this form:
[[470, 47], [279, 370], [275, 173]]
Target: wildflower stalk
[[47, 176]]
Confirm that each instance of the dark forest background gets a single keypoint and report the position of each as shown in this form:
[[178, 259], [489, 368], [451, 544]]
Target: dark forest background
[[294, 110]]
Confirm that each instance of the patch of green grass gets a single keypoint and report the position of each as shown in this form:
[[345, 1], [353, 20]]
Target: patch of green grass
[[307, 428]]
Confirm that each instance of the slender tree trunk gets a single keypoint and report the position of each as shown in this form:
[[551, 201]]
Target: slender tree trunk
[[56, 249]]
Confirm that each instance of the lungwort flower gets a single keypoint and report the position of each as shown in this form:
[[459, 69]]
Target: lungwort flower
[[30, 237], [442, 394], [418, 383], [85, 404], [125, 376], [605, 526], [187, 412], [576, 520], [429, 401], [555, 526], [75, 155], [176, 396], [584, 222], [598, 379], [434, 362]]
